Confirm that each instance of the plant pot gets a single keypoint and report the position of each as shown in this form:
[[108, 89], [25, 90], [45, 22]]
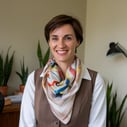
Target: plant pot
[[4, 90], [21, 88]]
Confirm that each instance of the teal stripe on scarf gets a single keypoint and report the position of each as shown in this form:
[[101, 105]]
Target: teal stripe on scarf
[[57, 92]]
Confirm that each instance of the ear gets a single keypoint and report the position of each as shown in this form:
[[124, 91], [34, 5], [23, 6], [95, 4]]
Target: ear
[[78, 43]]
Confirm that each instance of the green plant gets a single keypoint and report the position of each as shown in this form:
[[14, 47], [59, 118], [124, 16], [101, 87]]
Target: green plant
[[42, 58], [23, 75], [6, 68], [115, 113]]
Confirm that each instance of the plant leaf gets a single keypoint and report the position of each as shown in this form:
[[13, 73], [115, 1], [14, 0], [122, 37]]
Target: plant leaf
[[42, 58], [8, 66], [46, 57], [23, 75], [39, 54], [120, 114]]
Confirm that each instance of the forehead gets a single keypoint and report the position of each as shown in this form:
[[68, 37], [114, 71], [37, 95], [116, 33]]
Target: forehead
[[64, 29]]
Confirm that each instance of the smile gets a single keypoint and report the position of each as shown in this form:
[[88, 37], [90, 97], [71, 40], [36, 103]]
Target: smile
[[61, 52]]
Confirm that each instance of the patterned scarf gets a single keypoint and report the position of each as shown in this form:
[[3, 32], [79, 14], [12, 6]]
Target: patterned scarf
[[60, 90]]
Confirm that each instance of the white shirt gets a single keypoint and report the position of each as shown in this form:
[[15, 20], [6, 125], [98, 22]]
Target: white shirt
[[98, 109]]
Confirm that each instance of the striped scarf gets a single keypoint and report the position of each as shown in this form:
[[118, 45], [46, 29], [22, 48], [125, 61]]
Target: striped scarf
[[60, 90]]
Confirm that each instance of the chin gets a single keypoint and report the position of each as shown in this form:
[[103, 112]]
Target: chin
[[61, 59]]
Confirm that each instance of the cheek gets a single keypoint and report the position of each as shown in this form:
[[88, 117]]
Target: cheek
[[74, 45], [52, 46]]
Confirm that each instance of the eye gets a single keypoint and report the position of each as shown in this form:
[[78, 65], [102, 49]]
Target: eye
[[68, 37], [54, 38]]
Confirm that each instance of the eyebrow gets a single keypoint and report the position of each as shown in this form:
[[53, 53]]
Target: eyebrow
[[64, 35], [53, 35], [69, 35]]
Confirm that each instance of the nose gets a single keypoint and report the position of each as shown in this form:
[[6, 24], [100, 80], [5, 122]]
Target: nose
[[61, 43]]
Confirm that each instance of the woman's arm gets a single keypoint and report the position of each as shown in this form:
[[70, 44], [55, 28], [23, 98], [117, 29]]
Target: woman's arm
[[27, 115], [98, 109]]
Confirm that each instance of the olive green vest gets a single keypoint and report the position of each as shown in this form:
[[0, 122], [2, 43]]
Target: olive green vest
[[81, 107]]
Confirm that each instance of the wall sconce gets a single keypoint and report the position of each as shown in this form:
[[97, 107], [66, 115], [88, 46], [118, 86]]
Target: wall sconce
[[116, 48]]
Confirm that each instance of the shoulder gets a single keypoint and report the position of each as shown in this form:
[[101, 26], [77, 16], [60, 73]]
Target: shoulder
[[37, 75], [31, 76], [88, 73], [99, 84], [92, 73], [98, 77], [38, 72], [91, 70]]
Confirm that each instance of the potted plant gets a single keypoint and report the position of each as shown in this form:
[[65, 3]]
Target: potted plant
[[23, 75], [115, 113], [5, 71], [42, 58]]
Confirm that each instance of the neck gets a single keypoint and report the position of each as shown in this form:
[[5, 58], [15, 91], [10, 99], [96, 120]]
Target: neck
[[64, 66]]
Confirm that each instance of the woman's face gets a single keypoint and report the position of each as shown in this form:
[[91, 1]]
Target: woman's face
[[63, 43]]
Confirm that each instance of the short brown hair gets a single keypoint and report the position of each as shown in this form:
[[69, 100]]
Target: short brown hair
[[61, 20]]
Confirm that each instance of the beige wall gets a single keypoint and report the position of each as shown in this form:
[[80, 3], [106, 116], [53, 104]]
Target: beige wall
[[21, 26], [107, 22]]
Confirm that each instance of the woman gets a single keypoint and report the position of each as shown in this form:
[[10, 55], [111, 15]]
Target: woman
[[64, 93]]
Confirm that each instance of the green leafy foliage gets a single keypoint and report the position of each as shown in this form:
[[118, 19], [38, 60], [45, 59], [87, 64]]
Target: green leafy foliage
[[115, 113], [42, 58], [6, 67], [24, 72]]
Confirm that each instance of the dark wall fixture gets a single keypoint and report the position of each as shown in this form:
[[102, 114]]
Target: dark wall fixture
[[115, 48]]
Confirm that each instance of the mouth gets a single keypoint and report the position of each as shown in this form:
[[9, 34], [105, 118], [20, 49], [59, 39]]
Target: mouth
[[61, 52]]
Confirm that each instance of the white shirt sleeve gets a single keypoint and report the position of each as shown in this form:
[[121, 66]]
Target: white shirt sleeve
[[98, 109], [27, 114]]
